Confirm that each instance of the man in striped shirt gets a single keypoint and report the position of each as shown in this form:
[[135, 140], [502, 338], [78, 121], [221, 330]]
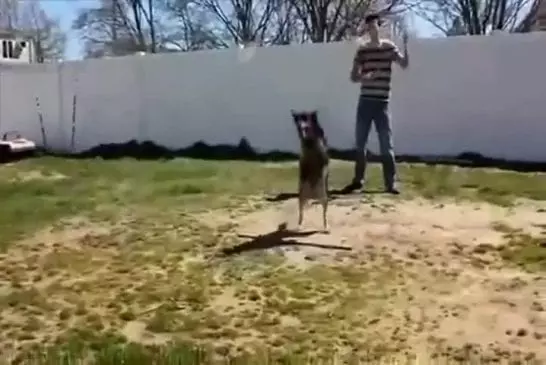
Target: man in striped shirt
[[372, 69]]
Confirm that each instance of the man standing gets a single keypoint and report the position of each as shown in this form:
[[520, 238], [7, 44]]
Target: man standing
[[372, 69]]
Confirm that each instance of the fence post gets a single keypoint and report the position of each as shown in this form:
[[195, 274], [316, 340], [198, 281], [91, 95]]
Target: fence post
[[142, 130], [1, 83], [62, 132]]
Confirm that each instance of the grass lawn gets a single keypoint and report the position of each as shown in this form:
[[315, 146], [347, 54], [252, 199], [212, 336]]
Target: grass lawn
[[121, 258]]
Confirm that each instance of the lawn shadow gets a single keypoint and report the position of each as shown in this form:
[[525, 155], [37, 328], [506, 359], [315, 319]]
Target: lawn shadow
[[277, 238], [244, 151]]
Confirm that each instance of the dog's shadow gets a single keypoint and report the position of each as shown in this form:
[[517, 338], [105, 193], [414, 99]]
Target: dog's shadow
[[332, 194], [277, 238]]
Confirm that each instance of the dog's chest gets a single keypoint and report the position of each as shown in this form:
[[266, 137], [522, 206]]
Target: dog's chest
[[312, 171], [313, 174]]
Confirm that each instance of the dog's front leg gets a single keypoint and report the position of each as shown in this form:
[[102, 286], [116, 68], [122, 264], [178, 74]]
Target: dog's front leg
[[302, 199]]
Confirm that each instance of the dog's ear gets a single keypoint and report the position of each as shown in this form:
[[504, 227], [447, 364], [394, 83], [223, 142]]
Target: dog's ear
[[313, 118], [296, 119], [295, 116]]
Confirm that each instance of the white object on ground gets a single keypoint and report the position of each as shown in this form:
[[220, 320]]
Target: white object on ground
[[19, 145]]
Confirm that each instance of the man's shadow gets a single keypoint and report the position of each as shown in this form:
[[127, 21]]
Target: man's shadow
[[332, 194], [278, 238]]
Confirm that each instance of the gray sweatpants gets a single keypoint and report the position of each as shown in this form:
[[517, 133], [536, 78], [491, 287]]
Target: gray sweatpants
[[376, 111]]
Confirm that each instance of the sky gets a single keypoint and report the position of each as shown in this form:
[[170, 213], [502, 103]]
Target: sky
[[66, 11]]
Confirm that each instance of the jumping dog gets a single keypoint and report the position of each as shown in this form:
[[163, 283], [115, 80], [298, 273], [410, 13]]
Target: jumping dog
[[313, 163]]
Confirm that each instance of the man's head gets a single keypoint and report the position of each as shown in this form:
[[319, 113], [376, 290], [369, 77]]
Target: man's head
[[372, 22]]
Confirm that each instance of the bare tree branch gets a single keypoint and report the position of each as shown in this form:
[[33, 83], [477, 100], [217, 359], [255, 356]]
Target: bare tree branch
[[118, 27], [473, 17], [335, 20]]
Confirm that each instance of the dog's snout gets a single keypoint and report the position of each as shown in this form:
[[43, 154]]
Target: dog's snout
[[307, 126], [306, 129]]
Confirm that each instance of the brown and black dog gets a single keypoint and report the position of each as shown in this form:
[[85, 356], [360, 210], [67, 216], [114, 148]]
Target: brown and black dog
[[313, 165]]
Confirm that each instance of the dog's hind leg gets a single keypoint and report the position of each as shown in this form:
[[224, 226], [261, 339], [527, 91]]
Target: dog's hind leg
[[301, 207], [303, 196], [324, 203]]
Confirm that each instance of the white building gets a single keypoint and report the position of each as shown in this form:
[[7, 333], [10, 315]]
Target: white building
[[16, 48]]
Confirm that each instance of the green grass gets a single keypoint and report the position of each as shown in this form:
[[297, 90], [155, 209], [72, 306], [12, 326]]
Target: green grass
[[526, 251], [187, 354], [91, 247], [522, 249], [108, 186]]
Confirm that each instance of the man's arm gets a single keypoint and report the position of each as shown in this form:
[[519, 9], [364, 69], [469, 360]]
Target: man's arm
[[401, 59], [356, 69]]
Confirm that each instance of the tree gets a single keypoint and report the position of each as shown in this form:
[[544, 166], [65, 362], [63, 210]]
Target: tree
[[118, 27], [285, 27], [262, 22], [335, 20], [473, 17], [228, 22], [49, 38], [28, 17], [190, 27]]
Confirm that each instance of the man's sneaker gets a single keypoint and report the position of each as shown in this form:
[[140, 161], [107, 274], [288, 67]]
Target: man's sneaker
[[393, 191], [353, 186]]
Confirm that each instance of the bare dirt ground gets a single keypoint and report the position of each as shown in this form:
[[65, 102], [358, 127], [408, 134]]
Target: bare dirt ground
[[457, 290], [434, 278]]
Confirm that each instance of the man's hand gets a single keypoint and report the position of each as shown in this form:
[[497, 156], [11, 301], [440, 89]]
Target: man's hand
[[355, 71], [368, 75], [358, 76], [402, 58]]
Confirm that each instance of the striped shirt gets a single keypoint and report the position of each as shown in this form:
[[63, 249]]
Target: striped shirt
[[377, 59]]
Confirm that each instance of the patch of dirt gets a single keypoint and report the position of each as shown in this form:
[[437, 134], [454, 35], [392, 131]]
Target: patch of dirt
[[45, 282], [135, 331], [276, 165], [460, 291], [38, 175], [152, 281]]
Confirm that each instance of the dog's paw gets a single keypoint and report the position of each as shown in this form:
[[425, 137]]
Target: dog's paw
[[325, 231], [282, 227]]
